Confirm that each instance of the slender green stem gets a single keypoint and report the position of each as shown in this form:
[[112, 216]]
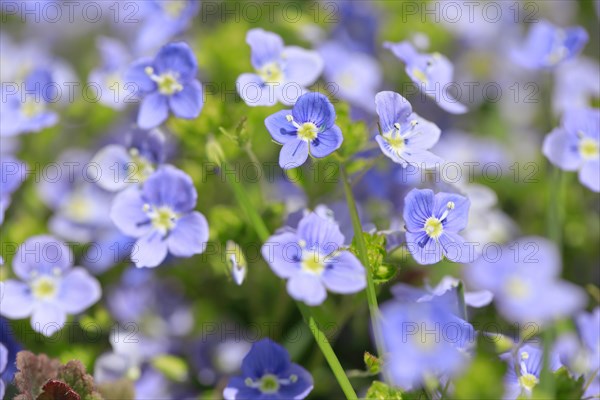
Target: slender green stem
[[364, 259], [263, 233], [462, 306]]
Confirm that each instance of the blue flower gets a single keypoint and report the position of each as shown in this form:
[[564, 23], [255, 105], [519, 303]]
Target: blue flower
[[433, 73], [432, 226], [49, 286], [130, 163], [308, 127], [587, 325], [547, 45], [313, 260], [424, 340], [167, 83], [280, 71], [524, 279], [162, 20], [268, 373], [161, 216], [575, 145], [12, 173], [406, 137], [524, 369], [109, 77], [29, 108], [3, 362]]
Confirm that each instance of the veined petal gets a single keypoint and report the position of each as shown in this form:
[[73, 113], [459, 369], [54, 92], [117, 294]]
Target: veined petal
[[188, 102], [127, 213], [326, 142], [281, 130], [265, 46], [316, 108], [283, 254], [177, 58], [344, 274], [189, 236], [418, 206], [424, 249], [154, 110], [137, 77], [391, 108], [170, 186], [302, 67], [253, 90], [150, 250], [293, 154], [456, 207], [307, 288], [320, 232]]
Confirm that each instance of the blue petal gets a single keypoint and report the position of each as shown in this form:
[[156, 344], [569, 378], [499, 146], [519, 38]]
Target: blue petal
[[187, 103], [418, 206], [457, 218], [584, 121], [391, 108], [172, 187], [454, 248], [307, 288], [238, 390], [301, 387], [562, 149], [150, 250], [154, 110], [253, 90], [178, 58], [16, 299], [78, 291], [344, 274], [283, 253], [301, 67], [47, 318], [41, 255], [127, 213], [265, 356], [589, 175], [320, 232], [137, 77], [293, 154], [316, 108], [113, 162], [189, 236], [266, 46], [424, 249], [281, 130], [326, 142]]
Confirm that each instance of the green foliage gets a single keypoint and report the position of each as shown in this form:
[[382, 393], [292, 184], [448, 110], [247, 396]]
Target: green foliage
[[356, 133], [172, 367], [381, 391], [372, 363], [566, 386], [380, 270], [483, 379], [122, 389]]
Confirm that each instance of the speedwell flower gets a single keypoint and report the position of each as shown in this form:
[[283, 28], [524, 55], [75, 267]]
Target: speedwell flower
[[406, 137], [113, 92], [49, 286], [168, 82], [432, 226], [268, 373], [161, 216], [278, 69], [575, 145], [312, 259], [308, 127], [524, 369]]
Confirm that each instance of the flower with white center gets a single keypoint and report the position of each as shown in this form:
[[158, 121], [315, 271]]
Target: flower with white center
[[49, 287]]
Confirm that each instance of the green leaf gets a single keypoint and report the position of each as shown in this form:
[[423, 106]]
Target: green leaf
[[381, 391], [482, 380], [381, 271], [372, 363], [566, 386], [172, 367]]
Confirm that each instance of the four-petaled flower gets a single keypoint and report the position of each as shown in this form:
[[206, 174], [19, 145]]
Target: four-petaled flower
[[308, 127], [547, 45], [575, 146], [313, 259], [268, 373], [432, 226], [279, 69], [167, 83], [161, 215], [49, 286], [405, 137], [433, 73]]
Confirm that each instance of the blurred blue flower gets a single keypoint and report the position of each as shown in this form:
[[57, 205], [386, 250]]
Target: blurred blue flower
[[424, 341], [3, 362], [312, 258], [577, 83], [279, 70], [575, 145], [161, 20], [50, 289], [131, 163], [308, 128], [432, 226], [588, 327], [524, 369], [161, 216], [28, 108], [524, 278], [268, 373], [355, 76], [167, 82], [12, 348], [405, 137], [357, 26], [432, 73], [548, 45], [109, 77], [12, 173]]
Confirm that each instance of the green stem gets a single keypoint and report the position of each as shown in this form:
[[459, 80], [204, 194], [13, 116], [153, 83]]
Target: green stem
[[462, 306], [263, 233], [364, 259]]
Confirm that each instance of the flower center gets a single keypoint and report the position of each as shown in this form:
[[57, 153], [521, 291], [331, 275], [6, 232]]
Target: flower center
[[271, 73], [270, 383], [517, 288], [308, 131], [589, 148], [433, 227], [528, 381], [174, 8], [44, 288], [167, 82], [32, 108], [79, 208], [420, 75], [163, 218], [139, 169], [312, 262]]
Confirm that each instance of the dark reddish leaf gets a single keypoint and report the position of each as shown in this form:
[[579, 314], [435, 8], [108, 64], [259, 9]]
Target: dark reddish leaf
[[57, 390]]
